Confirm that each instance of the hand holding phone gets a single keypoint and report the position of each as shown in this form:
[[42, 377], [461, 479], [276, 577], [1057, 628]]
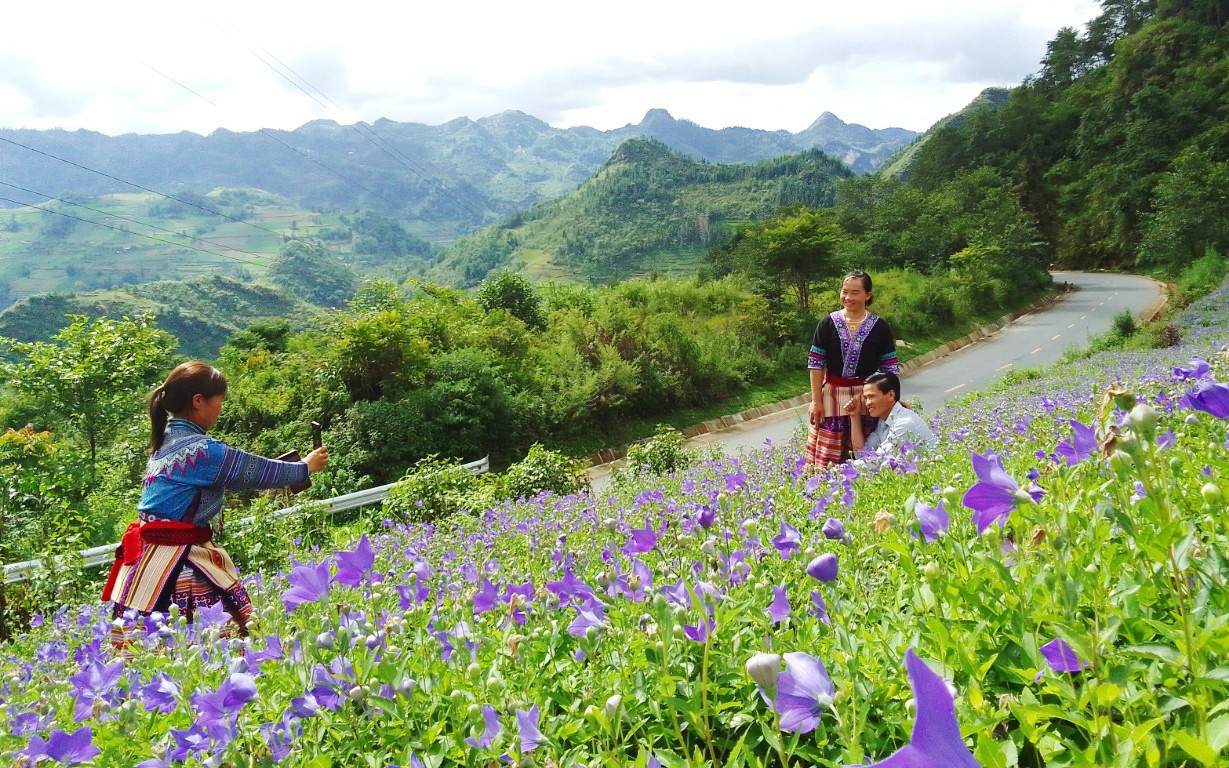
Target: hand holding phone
[[317, 435]]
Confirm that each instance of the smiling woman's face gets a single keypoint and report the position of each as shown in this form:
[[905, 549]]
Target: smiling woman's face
[[854, 296]]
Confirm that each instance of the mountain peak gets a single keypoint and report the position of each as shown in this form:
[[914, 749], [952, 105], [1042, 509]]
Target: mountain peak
[[827, 120], [657, 115]]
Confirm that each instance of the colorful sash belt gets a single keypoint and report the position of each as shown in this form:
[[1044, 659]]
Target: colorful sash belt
[[161, 532]]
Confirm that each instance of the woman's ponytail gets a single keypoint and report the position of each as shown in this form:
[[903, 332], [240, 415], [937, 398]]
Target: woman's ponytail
[[157, 418], [174, 397]]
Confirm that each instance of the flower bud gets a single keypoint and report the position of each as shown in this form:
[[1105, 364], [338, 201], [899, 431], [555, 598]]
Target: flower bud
[[751, 526], [723, 501], [612, 706], [1121, 462], [709, 547], [833, 528], [931, 571], [325, 641], [823, 568], [764, 669], [1211, 493], [610, 524], [1143, 419]]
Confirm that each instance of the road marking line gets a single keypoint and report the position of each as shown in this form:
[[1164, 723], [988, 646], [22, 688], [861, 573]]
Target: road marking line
[[1069, 327], [1056, 338], [1085, 317], [1035, 351], [1001, 367], [953, 389]]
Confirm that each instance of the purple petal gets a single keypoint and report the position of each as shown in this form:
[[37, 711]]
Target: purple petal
[[1061, 657]]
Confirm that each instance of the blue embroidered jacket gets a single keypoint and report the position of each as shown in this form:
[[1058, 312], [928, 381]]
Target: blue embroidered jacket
[[185, 478]]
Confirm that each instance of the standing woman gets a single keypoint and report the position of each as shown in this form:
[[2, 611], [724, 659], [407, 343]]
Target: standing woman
[[168, 555], [849, 345]]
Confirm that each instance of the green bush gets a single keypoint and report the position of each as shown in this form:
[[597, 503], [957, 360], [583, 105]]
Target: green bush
[[435, 488], [666, 451], [543, 470]]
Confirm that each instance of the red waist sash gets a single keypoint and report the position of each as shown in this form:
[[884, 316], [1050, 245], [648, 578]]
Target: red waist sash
[[841, 381], [163, 532]]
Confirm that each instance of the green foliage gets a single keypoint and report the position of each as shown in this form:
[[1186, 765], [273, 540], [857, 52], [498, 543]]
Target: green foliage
[[511, 292], [92, 375], [261, 542], [543, 470], [663, 453], [434, 488]]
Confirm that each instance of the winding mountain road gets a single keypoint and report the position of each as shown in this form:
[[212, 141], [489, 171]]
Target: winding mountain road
[[1034, 340]]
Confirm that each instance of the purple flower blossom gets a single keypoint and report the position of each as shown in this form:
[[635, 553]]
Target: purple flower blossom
[[641, 540], [823, 568], [833, 528], [932, 520], [588, 616], [216, 707], [819, 609], [1081, 445], [1209, 397], [527, 726], [803, 691], [308, 584], [94, 686], [486, 597], [936, 741], [1197, 370], [211, 616], [1061, 658], [788, 541], [779, 608], [492, 729], [700, 632], [161, 694], [994, 495], [354, 568], [72, 748]]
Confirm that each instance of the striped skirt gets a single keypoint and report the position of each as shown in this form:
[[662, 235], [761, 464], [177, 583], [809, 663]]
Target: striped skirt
[[829, 441], [190, 576]]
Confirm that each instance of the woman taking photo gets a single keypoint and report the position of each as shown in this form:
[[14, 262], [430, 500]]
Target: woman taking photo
[[168, 555], [849, 345]]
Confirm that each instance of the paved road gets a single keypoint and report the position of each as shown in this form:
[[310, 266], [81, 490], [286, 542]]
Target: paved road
[[1032, 341]]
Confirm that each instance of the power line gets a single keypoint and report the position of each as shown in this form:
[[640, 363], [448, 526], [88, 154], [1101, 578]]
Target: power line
[[145, 189], [118, 229], [369, 133], [132, 220], [268, 133]]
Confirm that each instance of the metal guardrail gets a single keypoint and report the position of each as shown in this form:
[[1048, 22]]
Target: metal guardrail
[[105, 554]]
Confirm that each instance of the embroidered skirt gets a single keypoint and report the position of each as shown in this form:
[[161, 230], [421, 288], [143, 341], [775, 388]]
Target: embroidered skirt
[[829, 441]]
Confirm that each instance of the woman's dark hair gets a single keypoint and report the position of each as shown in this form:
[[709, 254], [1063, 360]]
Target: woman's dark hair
[[175, 395], [858, 274]]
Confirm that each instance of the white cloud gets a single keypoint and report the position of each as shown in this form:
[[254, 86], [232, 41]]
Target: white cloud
[[775, 64]]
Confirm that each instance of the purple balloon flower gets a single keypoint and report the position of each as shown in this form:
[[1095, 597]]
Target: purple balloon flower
[[1209, 397], [492, 729], [161, 695], [833, 528], [308, 584], [936, 741], [354, 568], [641, 540], [95, 683], [823, 568], [994, 495], [803, 691], [527, 725], [589, 615], [933, 520], [1197, 370], [1082, 444], [1060, 657], [779, 608], [788, 541], [72, 748]]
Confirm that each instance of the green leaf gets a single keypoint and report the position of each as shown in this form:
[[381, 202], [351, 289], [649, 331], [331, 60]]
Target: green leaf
[[1195, 748]]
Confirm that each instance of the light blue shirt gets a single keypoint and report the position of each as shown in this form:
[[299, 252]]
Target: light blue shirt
[[901, 426]]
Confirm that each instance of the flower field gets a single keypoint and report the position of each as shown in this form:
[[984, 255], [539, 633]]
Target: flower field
[[1046, 589]]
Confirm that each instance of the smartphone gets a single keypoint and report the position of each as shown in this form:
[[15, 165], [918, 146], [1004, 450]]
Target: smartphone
[[317, 436]]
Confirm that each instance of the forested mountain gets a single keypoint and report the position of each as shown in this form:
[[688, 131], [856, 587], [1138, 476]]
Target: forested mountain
[[1119, 147], [441, 180], [649, 209]]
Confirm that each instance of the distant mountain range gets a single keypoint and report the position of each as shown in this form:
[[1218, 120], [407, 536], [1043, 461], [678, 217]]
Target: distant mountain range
[[441, 181]]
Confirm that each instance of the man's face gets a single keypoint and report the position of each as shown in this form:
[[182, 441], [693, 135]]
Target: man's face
[[878, 405]]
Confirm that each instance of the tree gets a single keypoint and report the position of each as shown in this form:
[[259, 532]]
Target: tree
[[514, 293], [800, 248], [93, 374]]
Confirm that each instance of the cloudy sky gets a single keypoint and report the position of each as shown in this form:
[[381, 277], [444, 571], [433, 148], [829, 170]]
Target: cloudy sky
[[146, 67]]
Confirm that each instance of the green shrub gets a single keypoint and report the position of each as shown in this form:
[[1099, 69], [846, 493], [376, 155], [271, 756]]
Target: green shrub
[[434, 488], [543, 470], [666, 451]]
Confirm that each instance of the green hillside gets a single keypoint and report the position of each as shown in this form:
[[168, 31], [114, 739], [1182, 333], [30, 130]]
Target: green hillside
[[648, 210], [897, 165], [202, 312], [77, 243]]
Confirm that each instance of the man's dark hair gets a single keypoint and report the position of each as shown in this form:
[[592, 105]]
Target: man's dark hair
[[885, 383]]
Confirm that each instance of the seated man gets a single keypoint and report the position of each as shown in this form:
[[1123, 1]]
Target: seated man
[[897, 424]]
